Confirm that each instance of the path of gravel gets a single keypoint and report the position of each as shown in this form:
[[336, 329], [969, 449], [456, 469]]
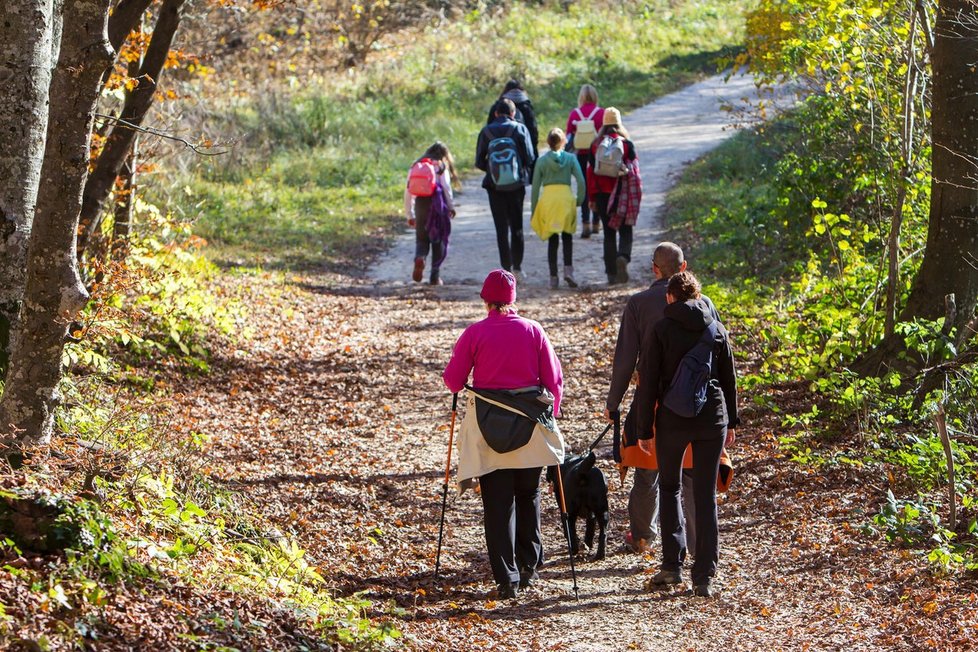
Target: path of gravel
[[334, 426]]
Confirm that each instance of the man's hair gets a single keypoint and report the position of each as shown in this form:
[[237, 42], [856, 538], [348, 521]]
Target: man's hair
[[684, 286], [505, 107], [668, 257]]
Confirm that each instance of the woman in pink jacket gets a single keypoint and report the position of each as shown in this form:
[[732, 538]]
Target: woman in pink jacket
[[507, 352]]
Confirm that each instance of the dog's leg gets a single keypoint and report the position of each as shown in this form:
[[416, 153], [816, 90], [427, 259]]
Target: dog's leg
[[602, 518], [590, 522], [572, 529]]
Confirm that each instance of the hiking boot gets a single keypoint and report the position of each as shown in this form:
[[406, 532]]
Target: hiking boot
[[638, 546], [569, 276], [703, 590], [527, 578], [666, 578], [506, 591], [622, 264], [418, 269], [520, 276], [554, 282], [595, 228], [612, 279], [586, 231]]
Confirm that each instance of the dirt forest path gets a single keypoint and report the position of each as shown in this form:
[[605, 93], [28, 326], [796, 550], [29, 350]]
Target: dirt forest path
[[332, 423]]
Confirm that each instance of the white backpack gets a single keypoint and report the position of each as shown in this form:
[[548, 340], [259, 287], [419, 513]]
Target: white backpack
[[609, 157], [584, 130]]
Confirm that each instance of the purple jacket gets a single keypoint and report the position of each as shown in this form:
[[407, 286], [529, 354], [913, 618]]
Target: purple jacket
[[505, 352]]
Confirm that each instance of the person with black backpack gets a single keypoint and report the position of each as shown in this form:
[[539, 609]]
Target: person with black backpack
[[505, 153], [515, 93], [688, 389]]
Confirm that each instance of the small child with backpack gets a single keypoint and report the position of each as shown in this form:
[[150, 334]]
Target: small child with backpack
[[429, 208], [554, 209], [582, 129], [613, 157]]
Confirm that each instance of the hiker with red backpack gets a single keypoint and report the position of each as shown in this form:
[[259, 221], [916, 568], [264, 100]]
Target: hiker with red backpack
[[505, 153], [429, 208], [613, 159], [582, 129], [688, 389], [554, 207]]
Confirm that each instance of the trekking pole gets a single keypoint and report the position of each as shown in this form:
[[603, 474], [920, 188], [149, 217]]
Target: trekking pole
[[564, 519], [444, 486]]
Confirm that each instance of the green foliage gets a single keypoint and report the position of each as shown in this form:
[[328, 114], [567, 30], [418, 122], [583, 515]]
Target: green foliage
[[319, 168]]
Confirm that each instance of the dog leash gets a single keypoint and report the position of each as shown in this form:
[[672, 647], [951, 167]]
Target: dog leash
[[600, 437]]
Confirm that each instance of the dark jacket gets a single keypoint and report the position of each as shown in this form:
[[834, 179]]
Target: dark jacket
[[497, 129], [524, 114], [642, 312], [674, 335]]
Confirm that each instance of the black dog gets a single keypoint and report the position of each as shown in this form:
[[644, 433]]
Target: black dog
[[586, 495]]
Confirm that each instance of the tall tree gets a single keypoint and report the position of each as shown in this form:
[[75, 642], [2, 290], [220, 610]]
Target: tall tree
[[27, 56], [54, 293], [950, 264]]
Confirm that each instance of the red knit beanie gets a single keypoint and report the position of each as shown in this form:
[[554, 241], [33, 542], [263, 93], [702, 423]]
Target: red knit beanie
[[499, 287]]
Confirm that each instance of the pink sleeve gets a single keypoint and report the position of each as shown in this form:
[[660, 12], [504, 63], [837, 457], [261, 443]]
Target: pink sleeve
[[571, 123], [551, 375], [460, 366]]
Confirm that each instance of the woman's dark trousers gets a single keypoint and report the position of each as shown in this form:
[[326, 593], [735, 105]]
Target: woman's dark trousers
[[669, 448], [553, 243], [616, 242], [511, 505]]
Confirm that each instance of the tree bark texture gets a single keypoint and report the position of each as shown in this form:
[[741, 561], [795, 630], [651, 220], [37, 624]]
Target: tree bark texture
[[54, 293], [26, 60], [950, 264], [137, 104]]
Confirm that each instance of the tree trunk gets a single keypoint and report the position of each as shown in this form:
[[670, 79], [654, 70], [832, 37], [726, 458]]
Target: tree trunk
[[950, 264], [137, 104], [26, 60], [54, 293]]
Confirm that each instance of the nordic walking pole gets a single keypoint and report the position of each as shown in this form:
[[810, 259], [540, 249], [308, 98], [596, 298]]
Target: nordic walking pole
[[444, 486], [564, 519]]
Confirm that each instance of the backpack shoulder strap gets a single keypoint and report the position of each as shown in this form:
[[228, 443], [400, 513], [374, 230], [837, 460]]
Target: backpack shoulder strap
[[591, 117], [580, 115]]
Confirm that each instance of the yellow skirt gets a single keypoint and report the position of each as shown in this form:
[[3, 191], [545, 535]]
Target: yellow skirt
[[556, 211]]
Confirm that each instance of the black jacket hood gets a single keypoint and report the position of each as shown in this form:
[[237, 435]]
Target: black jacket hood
[[693, 315]]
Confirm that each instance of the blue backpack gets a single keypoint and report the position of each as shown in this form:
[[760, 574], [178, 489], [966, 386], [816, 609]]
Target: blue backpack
[[686, 395], [504, 162]]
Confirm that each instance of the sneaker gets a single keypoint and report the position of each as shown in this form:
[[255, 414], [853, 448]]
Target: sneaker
[[506, 591], [622, 264], [435, 278], [554, 282], [418, 270], [569, 276], [527, 578], [666, 578], [518, 273], [703, 590], [638, 546], [586, 231]]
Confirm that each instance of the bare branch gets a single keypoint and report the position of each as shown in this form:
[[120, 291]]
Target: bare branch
[[196, 147]]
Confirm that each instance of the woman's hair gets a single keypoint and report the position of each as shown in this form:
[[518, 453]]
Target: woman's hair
[[555, 139], [684, 286], [439, 152], [502, 308], [611, 129], [588, 95]]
